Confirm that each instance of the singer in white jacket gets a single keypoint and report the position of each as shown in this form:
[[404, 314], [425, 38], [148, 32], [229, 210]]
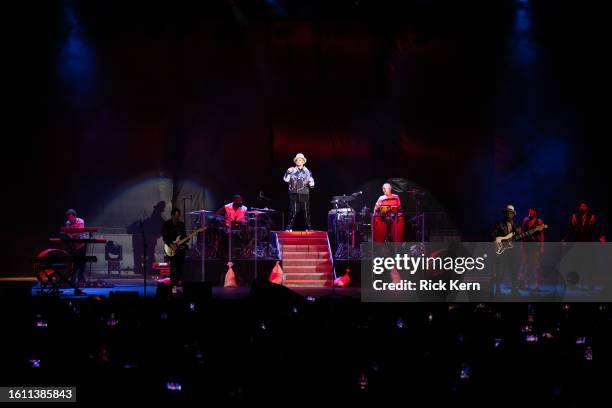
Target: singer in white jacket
[[300, 182]]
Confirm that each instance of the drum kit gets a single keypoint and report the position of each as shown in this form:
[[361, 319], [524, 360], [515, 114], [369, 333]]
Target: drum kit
[[247, 239]]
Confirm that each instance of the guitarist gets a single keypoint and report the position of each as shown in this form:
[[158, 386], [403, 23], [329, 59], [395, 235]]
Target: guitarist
[[505, 261], [171, 230], [531, 252]]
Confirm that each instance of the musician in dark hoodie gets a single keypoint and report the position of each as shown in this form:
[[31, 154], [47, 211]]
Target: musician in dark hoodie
[[171, 230]]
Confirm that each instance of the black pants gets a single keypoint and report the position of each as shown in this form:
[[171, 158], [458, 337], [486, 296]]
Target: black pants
[[297, 203], [79, 267], [505, 263], [177, 266]]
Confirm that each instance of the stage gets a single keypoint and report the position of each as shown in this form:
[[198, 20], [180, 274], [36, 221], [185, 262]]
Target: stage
[[136, 287], [308, 203], [218, 292]]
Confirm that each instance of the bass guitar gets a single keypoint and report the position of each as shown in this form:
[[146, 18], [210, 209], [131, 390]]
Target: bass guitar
[[178, 242], [505, 242]]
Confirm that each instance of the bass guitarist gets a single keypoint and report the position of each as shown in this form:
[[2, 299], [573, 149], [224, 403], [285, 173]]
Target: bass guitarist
[[505, 261]]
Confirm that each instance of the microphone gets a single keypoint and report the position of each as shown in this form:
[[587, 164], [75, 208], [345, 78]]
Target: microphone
[[357, 194], [263, 197]]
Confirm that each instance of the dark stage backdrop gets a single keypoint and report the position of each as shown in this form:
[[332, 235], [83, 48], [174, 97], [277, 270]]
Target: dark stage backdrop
[[126, 110]]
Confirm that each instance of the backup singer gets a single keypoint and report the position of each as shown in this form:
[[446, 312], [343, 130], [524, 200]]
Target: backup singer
[[583, 226], [300, 182], [531, 252]]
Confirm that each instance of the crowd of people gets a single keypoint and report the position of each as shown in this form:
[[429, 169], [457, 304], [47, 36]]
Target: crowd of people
[[279, 347]]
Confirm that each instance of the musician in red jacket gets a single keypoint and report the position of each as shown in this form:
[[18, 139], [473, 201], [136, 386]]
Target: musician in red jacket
[[532, 247]]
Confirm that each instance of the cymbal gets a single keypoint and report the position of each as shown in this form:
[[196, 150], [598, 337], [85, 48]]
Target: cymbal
[[196, 212], [342, 198], [261, 210]]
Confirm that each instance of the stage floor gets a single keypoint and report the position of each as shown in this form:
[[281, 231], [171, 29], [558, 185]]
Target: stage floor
[[570, 294], [132, 285]]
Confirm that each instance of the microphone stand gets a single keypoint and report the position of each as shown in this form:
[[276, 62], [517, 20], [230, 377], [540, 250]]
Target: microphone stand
[[144, 257], [190, 198], [333, 293]]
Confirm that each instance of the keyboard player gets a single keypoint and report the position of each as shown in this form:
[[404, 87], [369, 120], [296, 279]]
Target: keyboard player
[[78, 249]]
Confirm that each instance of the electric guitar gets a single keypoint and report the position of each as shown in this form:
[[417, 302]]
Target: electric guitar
[[505, 242], [178, 242]]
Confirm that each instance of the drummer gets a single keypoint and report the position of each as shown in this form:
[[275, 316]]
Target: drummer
[[234, 233], [234, 212], [388, 202]]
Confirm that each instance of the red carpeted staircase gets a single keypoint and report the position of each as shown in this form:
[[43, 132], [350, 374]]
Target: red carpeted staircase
[[306, 258]]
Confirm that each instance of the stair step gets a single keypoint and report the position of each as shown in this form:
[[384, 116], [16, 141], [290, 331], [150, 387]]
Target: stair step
[[295, 234], [308, 283], [305, 262], [300, 269], [302, 241], [304, 248], [308, 276], [305, 255]]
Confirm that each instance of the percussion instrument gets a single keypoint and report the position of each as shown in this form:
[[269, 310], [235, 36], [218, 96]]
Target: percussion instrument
[[387, 209], [390, 225], [261, 210]]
